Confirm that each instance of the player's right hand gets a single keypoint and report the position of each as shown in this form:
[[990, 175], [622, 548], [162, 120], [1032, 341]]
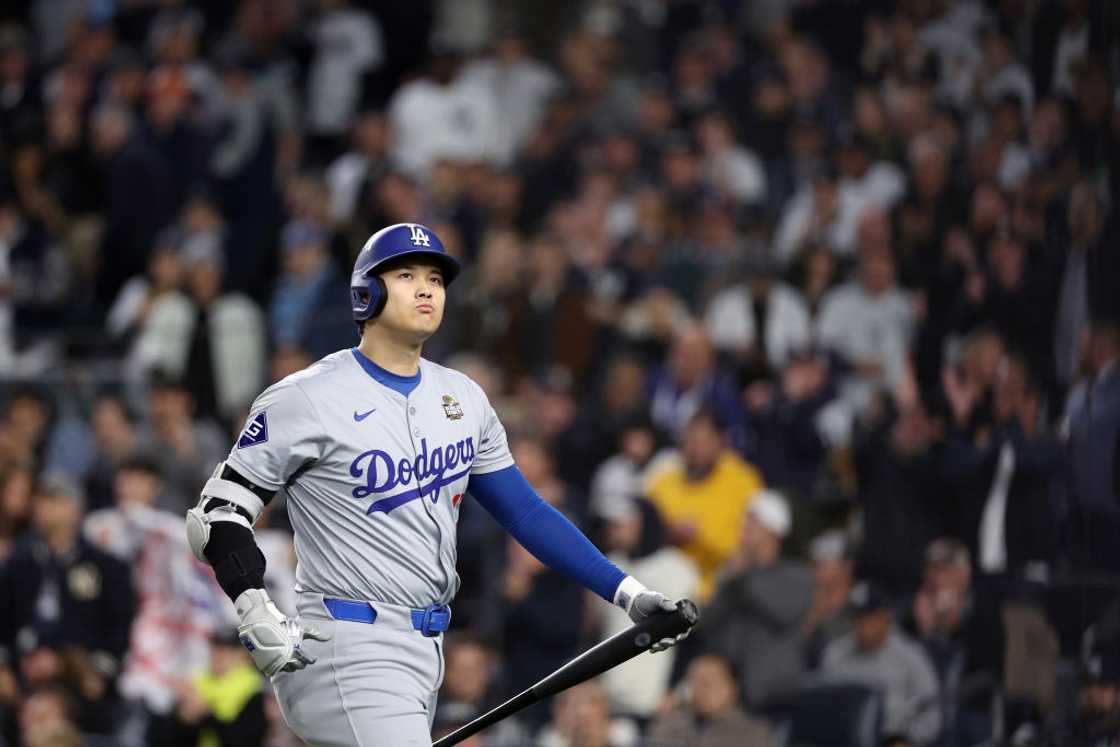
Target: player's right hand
[[272, 639]]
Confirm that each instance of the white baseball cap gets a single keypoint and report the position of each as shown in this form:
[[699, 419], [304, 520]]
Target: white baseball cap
[[829, 545], [771, 510]]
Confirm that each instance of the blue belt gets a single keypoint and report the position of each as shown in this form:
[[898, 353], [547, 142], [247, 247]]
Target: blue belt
[[431, 621]]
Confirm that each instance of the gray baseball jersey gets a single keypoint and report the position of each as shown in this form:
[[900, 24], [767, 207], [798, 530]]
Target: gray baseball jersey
[[374, 478]]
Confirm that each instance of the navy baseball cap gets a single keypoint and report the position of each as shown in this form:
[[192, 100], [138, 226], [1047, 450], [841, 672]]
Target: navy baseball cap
[[867, 597]]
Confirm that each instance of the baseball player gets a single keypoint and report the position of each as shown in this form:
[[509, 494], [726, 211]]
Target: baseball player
[[376, 447]]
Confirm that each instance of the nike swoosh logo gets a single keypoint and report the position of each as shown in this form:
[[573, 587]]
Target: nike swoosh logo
[[360, 416]]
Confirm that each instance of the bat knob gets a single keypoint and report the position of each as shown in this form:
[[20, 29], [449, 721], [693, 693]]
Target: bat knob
[[687, 608]]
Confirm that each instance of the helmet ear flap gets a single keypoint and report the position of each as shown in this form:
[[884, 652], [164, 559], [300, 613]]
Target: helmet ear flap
[[368, 299], [380, 296]]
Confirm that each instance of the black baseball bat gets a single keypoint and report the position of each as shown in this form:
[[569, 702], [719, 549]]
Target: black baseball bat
[[618, 648]]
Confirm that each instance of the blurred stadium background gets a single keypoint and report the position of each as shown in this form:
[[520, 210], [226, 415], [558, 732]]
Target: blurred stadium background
[[806, 309]]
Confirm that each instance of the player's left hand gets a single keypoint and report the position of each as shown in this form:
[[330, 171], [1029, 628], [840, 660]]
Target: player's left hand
[[273, 640], [647, 603]]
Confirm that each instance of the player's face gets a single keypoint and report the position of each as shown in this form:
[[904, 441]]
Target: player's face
[[416, 299]]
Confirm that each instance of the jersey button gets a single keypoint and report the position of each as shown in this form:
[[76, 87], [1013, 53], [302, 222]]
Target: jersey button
[[416, 432], [412, 411]]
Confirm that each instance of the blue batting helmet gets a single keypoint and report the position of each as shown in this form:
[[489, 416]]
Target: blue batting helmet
[[367, 289]]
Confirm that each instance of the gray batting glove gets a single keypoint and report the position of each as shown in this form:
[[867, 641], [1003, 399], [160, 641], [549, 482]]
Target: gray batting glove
[[647, 603], [272, 639]]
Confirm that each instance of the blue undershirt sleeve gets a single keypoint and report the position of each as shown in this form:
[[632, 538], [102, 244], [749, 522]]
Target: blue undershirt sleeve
[[544, 531]]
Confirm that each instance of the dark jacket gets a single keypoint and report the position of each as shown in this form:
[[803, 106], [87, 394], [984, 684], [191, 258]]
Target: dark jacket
[[755, 621], [1031, 519], [1093, 414], [542, 632], [91, 591], [1094, 442], [905, 507]]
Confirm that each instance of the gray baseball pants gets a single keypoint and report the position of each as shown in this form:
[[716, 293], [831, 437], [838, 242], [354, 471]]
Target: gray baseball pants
[[372, 685]]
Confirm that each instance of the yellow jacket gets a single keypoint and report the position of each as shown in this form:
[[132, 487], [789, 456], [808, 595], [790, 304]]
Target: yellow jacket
[[227, 695], [716, 504]]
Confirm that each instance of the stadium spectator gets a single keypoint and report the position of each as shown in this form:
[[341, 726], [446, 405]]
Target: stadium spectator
[[36, 434], [348, 47], [132, 217], [787, 421], [185, 446], [39, 282], [553, 326], [22, 105], [690, 382], [16, 485], [66, 607], [440, 115], [174, 125], [349, 175], [114, 439], [868, 323], [581, 717], [1093, 415], [1006, 478], [712, 716], [756, 617], [141, 293], [1097, 717], [962, 630], [178, 602], [519, 84], [703, 499], [1017, 302], [210, 337], [305, 312], [1086, 269], [469, 679], [736, 170], [634, 542], [876, 653], [830, 617], [47, 719], [222, 703], [1001, 75], [256, 127], [902, 493], [469, 689], [622, 477], [762, 323], [542, 622]]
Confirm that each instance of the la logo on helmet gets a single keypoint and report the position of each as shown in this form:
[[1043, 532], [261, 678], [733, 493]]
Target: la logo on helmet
[[419, 238]]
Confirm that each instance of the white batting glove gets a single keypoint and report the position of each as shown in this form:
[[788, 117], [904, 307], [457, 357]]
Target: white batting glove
[[273, 640], [640, 603]]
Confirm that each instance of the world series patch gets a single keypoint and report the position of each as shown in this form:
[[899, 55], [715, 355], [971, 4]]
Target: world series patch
[[256, 432], [451, 408]]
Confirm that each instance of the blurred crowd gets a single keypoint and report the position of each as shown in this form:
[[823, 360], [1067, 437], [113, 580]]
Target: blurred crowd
[[808, 310]]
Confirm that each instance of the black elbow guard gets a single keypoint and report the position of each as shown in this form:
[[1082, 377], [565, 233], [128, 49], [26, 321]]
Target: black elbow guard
[[237, 561]]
